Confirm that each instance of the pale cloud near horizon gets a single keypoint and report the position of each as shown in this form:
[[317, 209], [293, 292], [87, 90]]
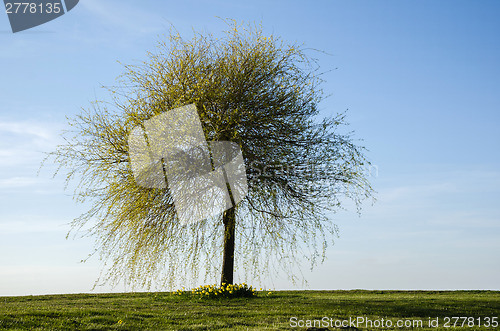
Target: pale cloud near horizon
[[443, 211], [54, 279], [33, 226]]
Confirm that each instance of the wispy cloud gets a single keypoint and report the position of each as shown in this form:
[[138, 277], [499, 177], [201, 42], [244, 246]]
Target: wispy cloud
[[23, 143], [131, 19], [39, 185], [27, 128]]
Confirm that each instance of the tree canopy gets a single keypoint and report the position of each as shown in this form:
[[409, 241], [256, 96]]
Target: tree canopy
[[249, 88]]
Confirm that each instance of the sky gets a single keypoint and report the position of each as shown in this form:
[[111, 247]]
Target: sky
[[420, 82]]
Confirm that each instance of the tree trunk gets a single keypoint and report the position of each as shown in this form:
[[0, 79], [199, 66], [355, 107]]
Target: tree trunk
[[229, 221]]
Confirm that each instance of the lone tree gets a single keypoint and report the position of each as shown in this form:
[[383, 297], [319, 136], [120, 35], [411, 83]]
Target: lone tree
[[255, 90]]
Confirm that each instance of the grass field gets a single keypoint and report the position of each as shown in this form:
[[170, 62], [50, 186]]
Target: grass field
[[279, 311]]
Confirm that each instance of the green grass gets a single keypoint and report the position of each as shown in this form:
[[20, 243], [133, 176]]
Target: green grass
[[164, 311]]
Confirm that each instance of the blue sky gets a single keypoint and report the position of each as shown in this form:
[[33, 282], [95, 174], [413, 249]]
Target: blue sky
[[421, 81]]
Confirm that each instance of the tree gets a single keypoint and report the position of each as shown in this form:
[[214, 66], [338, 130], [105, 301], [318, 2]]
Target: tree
[[255, 90]]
